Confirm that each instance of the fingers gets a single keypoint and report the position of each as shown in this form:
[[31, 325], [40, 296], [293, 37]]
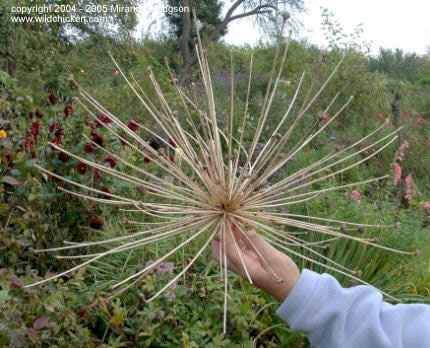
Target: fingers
[[216, 245], [255, 242]]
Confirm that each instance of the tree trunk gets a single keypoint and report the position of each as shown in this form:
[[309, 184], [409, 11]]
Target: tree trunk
[[185, 75]]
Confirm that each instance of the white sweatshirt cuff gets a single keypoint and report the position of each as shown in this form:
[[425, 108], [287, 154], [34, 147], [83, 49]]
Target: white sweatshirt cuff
[[294, 306]]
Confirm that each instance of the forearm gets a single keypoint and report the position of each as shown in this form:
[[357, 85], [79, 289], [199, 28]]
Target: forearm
[[332, 316]]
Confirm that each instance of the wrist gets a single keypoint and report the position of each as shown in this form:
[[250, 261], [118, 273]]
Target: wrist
[[281, 291]]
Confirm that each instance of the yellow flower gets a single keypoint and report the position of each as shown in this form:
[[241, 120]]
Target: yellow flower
[[3, 134]]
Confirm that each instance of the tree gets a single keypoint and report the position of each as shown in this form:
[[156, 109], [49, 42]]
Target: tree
[[214, 25], [23, 40]]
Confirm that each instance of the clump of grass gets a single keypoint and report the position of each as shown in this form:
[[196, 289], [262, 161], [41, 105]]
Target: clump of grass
[[211, 190]]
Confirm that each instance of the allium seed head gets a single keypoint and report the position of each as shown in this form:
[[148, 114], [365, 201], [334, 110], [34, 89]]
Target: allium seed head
[[219, 179]]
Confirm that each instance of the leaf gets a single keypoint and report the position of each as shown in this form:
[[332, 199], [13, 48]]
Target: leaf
[[30, 332], [4, 295], [244, 308], [11, 181], [5, 79], [42, 323]]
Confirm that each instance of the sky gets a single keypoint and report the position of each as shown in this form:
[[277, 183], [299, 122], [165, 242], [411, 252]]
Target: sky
[[387, 23]]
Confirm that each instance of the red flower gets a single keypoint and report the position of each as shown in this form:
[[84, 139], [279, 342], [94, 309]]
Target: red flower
[[379, 115], [63, 157], [89, 123], [122, 135], [105, 189], [146, 160], [98, 139], [405, 113], [29, 140], [35, 129], [172, 158], [52, 98], [325, 120], [68, 110], [133, 125], [27, 145], [30, 114], [53, 127], [30, 137], [82, 168], [88, 148], [39, 114], [104, 119], [33, 154], [171, 142], [96, 224], [56, 142], [96, 175], [110, 162], [59, 132]]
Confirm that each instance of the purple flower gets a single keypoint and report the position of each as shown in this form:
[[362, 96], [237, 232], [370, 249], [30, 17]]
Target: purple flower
[[165, 267], [332, 138], [170, 296]]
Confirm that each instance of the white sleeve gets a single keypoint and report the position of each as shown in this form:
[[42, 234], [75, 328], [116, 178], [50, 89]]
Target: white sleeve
[[332, 316]]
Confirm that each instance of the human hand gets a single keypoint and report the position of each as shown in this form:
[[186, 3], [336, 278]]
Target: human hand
[[260, 273]]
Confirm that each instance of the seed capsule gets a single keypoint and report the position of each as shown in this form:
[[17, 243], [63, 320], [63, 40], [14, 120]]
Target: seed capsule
[[285, 15]]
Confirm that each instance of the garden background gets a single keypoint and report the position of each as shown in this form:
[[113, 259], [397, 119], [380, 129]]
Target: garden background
[[37, 107]]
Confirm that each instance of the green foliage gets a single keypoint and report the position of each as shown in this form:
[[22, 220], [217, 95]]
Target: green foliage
[[76, 310], [208, 13], [401, 66]]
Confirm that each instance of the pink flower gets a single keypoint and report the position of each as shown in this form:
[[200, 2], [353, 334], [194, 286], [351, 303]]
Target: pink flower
[[409, 191], [116, 73], [427, 207], [408, 180], [379, 115], [356, 196], [402, 149], [397, 173]]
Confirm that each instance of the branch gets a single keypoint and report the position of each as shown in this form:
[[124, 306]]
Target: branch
[[228, 19]]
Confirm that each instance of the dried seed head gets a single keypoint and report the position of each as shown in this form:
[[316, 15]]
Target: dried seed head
[[360, 229], [359, 274], [285, 15], [323, 56], [277, 136]]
